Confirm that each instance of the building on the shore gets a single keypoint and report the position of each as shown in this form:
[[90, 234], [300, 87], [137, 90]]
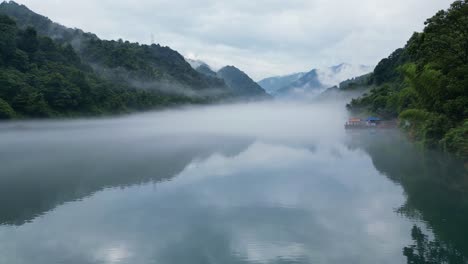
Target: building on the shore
[[373, 121], [354, 123]]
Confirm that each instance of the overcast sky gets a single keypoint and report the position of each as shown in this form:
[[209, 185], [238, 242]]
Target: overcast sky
[[261, 37]]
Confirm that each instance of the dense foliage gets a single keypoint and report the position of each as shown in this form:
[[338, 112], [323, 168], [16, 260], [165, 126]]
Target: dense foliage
[[40, 78], [151, 66], [425, 84]]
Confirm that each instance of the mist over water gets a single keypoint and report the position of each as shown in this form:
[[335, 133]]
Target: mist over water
[[270, 182], [284, 121]]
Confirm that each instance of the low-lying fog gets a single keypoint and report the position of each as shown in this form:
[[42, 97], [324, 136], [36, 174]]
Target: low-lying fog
[[283, 121]]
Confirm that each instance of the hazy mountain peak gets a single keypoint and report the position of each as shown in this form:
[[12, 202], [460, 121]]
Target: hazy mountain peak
[[317, 80], [334, 75], [240, 82], [206, 70], [273, 84], [195, 63]]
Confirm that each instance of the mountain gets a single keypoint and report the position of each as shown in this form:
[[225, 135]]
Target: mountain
[[356, 82], [195, 63], [240, 82], [317, 80], [150, 67], [273, 84], [206, 70], [306, 84], [348, 89], [339, 73]]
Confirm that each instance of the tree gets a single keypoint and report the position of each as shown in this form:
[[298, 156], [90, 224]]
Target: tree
[[6, 112], [30, 102]]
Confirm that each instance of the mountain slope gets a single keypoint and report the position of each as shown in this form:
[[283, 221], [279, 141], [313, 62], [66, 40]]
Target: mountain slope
[[195, 63], [206, 70], [273, 84], [240, 82], [335, 75], [308, 83], [42, 78], [348, 89], [142, 66]]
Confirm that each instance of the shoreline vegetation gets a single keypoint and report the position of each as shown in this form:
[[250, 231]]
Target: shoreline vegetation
[[425, 84]]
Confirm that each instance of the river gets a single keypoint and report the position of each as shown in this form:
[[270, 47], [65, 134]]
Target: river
[[242, 183]]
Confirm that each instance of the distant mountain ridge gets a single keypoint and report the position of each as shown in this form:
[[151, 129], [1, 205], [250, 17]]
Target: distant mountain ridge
[[238, 81], [348, 89], [307, 83], [273, 84], [314, 81], [206, 70], [195, 63]]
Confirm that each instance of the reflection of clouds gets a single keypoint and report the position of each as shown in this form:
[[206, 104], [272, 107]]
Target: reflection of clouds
[[260, 156], [267, 204], [112, 254], [265, 251], [341, 191]]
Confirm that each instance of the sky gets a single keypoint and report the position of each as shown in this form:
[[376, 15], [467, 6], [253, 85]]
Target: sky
[[261, 37]]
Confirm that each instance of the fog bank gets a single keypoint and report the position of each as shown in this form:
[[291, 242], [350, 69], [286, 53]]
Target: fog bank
[[290, 122]]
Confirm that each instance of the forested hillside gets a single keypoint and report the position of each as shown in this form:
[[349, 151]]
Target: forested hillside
[[47, 70], [425, 83], [147, 66], [42, 78]]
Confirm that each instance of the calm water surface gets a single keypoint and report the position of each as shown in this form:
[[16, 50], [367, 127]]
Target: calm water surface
[[266, 183]]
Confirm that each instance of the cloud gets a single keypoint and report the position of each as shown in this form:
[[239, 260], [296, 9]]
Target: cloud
[[265, 37]]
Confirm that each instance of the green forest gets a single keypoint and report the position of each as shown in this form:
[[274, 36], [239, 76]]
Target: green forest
[[42, 78], [48, 70], [117, 60], [425, 83]]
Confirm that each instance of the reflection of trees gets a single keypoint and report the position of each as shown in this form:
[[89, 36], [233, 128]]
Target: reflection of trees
[[50, 178], [426, 251], [436, 188]]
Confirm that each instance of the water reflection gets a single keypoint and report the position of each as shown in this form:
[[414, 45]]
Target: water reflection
[[426, 251], [436, 189], [267, 204], [40, 171], [139, 190]]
